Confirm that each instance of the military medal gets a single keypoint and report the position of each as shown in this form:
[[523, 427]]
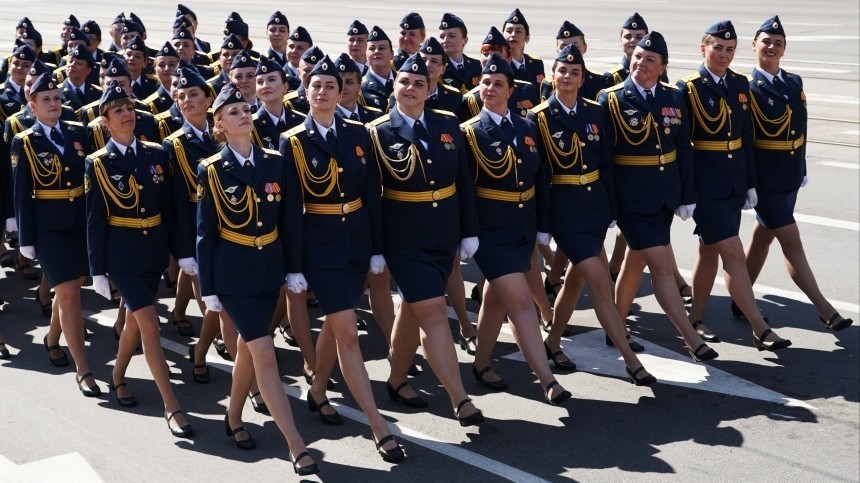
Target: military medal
[[633, 122], [667, 130], [530, 143], [270, 189], [314, 162], [79, 148]]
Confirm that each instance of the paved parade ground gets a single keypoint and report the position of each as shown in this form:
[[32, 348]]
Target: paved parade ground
[[747, 416]]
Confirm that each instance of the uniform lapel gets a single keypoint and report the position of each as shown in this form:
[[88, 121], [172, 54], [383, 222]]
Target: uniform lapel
[[493, 129], [402, 129], [315, 137], [234, 168], [557, 111]]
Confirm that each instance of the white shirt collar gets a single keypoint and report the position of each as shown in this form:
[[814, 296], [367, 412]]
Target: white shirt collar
[[324, 130], [197, 132], [346, 113], [47, 130], [642, 89], [518, 63], [122, 148], [715, 77], [565, 108], [380, 79], [409, 120], [243, 158], [15, 86], [275, 119], [497, 118], [770, 76]]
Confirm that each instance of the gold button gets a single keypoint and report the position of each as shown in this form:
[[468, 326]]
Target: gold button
[[66, 168], [259, 248], [144, 223], [343, 219], [657, 146], [143, 210], [583, 179], [68, 183], [258, 242], [589, 188], [729, 134], [258, 199], [662, 159], [662, 168], [584, 167], [792, 153], [432, 183], [792, 131], [345, 208], [521, 183], [435, 204], [429, 161], [140, 186], [655, 124], [259, 223], [519, 161], [520, 205], [342, 195], [730, 155], [145, 232], [435, 195], [730, 111], [340, 170]]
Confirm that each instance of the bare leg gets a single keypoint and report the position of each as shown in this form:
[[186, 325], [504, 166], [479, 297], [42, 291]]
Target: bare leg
[[404, 339], [381, 303], [300, 323], [628, 282], [618, 253], [535, 288], [757, 250], [68, 301], [704, 273], [559, 262], [799, 269], [490, 318], [456, 291], [184, 292]]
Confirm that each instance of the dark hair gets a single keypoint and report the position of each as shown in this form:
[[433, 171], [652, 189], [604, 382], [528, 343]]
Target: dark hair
[[105, 108]]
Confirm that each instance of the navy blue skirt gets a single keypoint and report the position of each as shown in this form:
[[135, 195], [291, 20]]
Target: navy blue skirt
[[717, 220], [139, 291], [497, 259], [251, 314], [62, 254], [646, 230], [580, 246], [420, 274], [775, 209], [340, 289]]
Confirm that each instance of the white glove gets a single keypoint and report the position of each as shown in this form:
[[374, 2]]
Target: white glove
[[685, 211], [188, 265], [612, 224], [543, 238], [752, 199], [11, 226], [28, 252], [212, 302], [468, 247], [102, 286], [377, 264], [296, 283], [802, 183]]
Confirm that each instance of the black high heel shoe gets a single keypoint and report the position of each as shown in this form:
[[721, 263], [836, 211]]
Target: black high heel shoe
[[558, 399], [499, 385], [698, 356], [87, 391], [126, 402], [245, 444], [565, 365], [468, 344], [62, 361], [836, 322], [221, 349], [330, 419], [258, 407], [4, 352], [307, 470], [550, 288], [706, 336], [412, 402], [634, 346], [761, 345], [182, 432], [636, 381], [390, 455], [739, 314], [198, 378], [471, 420], [288, 338], [309, 378]]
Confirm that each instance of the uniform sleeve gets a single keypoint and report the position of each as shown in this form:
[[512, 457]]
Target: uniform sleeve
[[182, 234], [96, 222], [22, 189], [684, 151], [207, 233], [372, 199], [748, 140], [6, 210], [605, 166], [469, 224], [293, 210], [542, 186]]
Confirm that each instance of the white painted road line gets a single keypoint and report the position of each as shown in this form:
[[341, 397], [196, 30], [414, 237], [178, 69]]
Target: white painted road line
[[72, 468], [837, 164], [819, 220]]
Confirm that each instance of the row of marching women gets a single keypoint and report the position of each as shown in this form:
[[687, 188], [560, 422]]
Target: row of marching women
[[260, 184]]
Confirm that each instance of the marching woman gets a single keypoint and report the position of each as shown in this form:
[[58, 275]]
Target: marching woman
[[48, 175], [778, 105], [429, 209], [649, 134], [725, 178], [582, 203], [241, 218], [130, 226], [512, 192], [335, 235]]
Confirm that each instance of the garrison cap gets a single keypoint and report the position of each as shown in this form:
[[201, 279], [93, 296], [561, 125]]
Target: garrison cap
[[771, 26], [42, 83], [92, 27], [496, 64], [24, 52], [108, 57], [237, 27], [183, 10], [267, 66], [635, 22], [167, 50], [24, 23], [134, 18], [117, 68], [344, 64], [241, 60], [326, 67], [231, 42], [38, 68], [568, 30], [301, 34], [78, 34], [182, 33], [377, 35], [190, 77], [494, 37], [450, 21], [412, 21], [229, 95], [184, 64], [278, 18], [357, 28], [81, 53], [234, 16], [129, 25], [516, 18], [414, 64], [722, 30], [71, 21], [182, 22], [120, 18], [654, 42], [570, 54], [33, 34], [431, 46], [136, 43], [112, 92], [313, 55]]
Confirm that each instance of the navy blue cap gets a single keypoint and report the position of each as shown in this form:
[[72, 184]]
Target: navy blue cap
[[71, 21], [722, 30], [24, 52], [635, 22], [92, 28], [326, 67], [183, 10], [231, 42], [167, 50], [42, 83], [771, 26], [117, 68], [137, 43], [568, 30], [412, 21], [24, 23], [494, 37], [450, 21], [654, 42], [108, 57], [377, 35], [496, 64], [38, 68], [182, 33], [229, 95], [233, 17], [81, 53], [516, 18], [242, 59], [78, 34], [357, 28], [184, 64], [237, 27], [134, 18], [431, 46], [301, 34], [267, 66], [190, 77], [129, 25], [278, 18], [570, 54], [32, 34], [120, 18], [112, 92], [313, 55], [414, 64], [344, 64], [182, 22]]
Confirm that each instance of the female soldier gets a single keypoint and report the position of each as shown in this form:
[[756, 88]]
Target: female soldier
[[336, 232], [582, 202], [650, 138], [241, 217], [725, 179], [429, 209], [511, 190], [129, 186], [779, 116], [48, 175]]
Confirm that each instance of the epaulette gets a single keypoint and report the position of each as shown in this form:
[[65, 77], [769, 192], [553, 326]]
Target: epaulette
[[25, 132], [90, 105], [448, 88], [162, 115], [691, 77], [749, 77], [74, 123], [470, 121], [354, 123], [540, 107], [379, 120], [444, 112], [535, 57], [94, 122], [616, 87], [152, 77], [291, 95], [617, 68], [98, 153], [174, 135], [474, 89], [211, 160], [376, 109], [151, 98], [294, 130], [589, 101], [271, 151], [669, 86], [150, 144]]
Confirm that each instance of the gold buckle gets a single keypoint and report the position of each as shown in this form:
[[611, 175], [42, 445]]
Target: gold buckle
[[731, 145], [435, 195], [662, 159], [583, 179], [345, 208], [258, 242], [144, 223]]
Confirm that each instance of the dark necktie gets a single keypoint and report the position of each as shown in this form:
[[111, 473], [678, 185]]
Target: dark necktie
[[521, 72], [282, 126], [56, 137], [129, 152], [249, 167], [781, 87], [723, 90], [331, 139], [389, 86], [649, 98], [354, 117], [80, 93], [135, 88], [421, 132], [207, 140], [508, 131]]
